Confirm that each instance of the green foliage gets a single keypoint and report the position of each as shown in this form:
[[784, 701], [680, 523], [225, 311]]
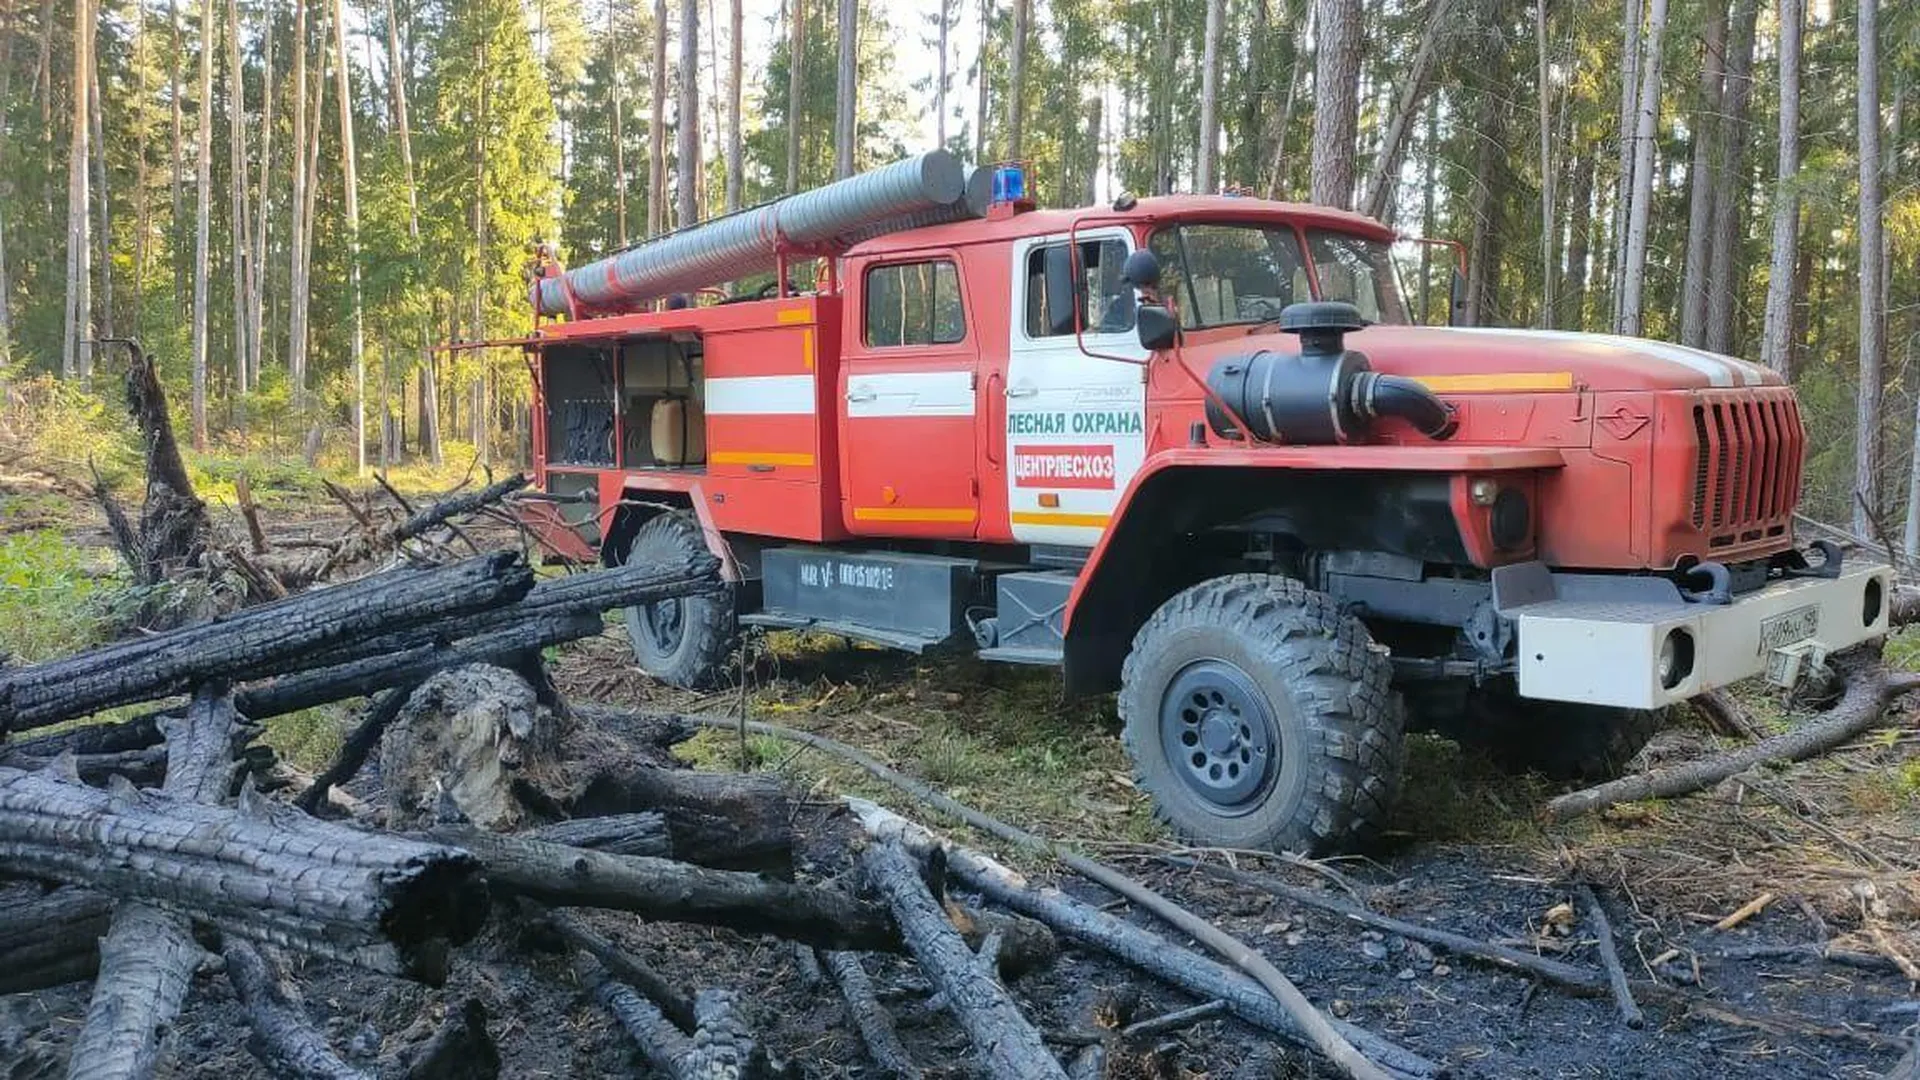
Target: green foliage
[[54, 593]]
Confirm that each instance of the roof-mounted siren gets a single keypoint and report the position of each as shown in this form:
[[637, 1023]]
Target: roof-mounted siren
[[1010, 193]]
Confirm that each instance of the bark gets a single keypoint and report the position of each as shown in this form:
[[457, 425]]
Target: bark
[[1284, 124], [359, 743], [1870, 689], [103, 227], [1336, 91], [1776, 338], [280, 1037], [1579, 243], [297, 301], [1207, 161], [52, 938], [262, 641], [1702, 180], [350, 181], [1142, 949], [870, 1018], [619, 135], [796, 87], [940, 77], [203, 194], [138, 733], [657, 130], [615, 834], [983, 99], [1004, 1042], [239, 223], [263, 872], [687, 161], [178, 147], [1646, 127], [721, 1047], [142, 211], [77, 329], [1544, 97], [670, 891], [1017, 78], [1724, 274], [1413, 91], [623, 967], [174, 529], [1629, 1009], [741, 822], [1484, 240], [736, 147], [1868, 436], [257, 266], [1632, 18], [464, 742], [846, 122]]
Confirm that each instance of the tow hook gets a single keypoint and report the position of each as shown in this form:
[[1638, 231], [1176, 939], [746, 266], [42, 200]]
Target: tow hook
[[1719, 581], [1796, 565]]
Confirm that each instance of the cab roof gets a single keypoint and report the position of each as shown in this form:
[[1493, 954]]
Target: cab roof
[[1155, 210]]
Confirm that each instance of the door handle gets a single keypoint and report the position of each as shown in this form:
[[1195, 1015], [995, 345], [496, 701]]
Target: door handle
[[996, 425], [862, 394], [1022, 389]]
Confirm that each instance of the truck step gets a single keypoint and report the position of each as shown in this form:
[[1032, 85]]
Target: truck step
[[901, 599], [855, 631]]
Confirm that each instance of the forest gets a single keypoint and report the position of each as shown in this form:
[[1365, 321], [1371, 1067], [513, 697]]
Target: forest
[[291, 203]]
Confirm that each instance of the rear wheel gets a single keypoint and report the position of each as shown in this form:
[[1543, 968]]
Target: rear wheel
[[1258, 715], [686, 641], [1561, 740]]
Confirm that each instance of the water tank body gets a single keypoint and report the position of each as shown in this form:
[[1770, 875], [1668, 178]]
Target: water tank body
[[744, 243]]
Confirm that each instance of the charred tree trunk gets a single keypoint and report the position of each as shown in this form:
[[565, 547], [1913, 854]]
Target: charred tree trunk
[[625, 968], [281, 1037], [713, 819], [616, 834], [722, 1044], [51, 939], [870, 1017]]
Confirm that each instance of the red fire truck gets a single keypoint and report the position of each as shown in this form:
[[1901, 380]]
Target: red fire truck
[[1191, 449]]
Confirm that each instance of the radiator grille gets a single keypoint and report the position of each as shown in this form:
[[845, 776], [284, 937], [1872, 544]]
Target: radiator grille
[[1748, 449]]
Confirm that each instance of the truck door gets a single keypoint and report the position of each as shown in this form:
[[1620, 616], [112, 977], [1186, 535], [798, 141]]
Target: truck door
[[1075, 431], [908, 383]]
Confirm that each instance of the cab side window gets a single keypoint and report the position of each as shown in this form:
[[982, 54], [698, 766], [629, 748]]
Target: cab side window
[[915, 303], [1104, 298]]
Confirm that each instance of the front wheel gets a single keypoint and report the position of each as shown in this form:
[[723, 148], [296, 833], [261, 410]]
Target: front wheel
[[1258, 715], [685, 641]]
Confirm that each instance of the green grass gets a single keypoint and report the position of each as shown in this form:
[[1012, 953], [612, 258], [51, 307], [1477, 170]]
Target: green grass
[[55, 597]]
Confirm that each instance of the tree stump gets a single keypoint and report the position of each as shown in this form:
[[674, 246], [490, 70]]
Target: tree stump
[[467, 736]]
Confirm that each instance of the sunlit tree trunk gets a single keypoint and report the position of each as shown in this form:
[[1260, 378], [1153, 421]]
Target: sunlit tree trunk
[[619, 137], [736, 148], [350, 181], [1579, 244], [1734, 190], [1646, 125], [1545, 102], [688, 166], [796, 87], [257, 267], [657, 131], [1276, 169], [1702, 179], [1336, 111], [203, 205], [296, 273], [403, 128], [1413, 91], [174, 184], [6, 189], [78, 325], [1017, 79], [940, 77], [984, 85], [1206, 162], [102, 229], [1775, 338], [239, 229], [1632, 18], [846, 124], [1867, 427]]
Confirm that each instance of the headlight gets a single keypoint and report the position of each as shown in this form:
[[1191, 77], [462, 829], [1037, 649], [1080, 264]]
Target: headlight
[[1510, 521], [1676, 658]]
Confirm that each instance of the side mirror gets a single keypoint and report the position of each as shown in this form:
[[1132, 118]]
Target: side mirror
[[1142, 269], [1157, 327], [1457, 300], [1062, 291]]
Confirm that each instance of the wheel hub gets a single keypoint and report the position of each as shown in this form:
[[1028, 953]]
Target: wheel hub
[[663, 624], [1218, 732]]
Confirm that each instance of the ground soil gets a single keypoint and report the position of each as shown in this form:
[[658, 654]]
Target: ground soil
[[1465, 855]]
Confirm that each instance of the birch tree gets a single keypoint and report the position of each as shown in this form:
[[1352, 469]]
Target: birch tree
[[350, 181], [1776, 344], [1206, 162], [1646, 125], [1867, 432], [1632, 18], [846, 95], [203, 204], [77, 328], [1336, 91]]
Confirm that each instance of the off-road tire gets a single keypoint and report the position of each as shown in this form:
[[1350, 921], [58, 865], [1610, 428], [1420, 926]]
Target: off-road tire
[[697, 656], [1338, 725], [1560, 740]]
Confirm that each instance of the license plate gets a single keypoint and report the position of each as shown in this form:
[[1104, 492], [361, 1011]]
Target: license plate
[[1788, 627]]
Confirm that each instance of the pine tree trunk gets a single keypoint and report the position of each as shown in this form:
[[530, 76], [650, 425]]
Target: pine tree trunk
[[1732, 192], [1574, 295], [1545, 101], [1703, 180], [1775, 338], [619, 136], [1631, 19], [178, 147], [846, 130], [1484, 242], [1336, 91], [1207, 161], [1276, 170], [687, 165], [350, 180], [736, 146], [940, 77], [1646, 126], [796, 87], [6, 190], [403, 126], [257, 265], [239, 224], [103, 229], [984, 103], [1017, 79], [77, 329], [1413, 91], [203, 195], [657, 132], [296, 238], [1871, 391]]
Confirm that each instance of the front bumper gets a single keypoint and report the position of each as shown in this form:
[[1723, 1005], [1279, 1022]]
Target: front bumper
[[1636, 642]]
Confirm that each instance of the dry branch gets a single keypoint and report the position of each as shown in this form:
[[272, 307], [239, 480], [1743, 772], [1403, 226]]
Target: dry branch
[[615, 834], [1870, 689], [870, 1018], [1630, 1012], [1005, 1043], [624, 968], [267, 640], [280, 1036], [360, 742], [373, 540], [670, 891], [722, 1045]]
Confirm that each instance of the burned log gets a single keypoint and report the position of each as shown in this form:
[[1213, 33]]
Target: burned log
[[267, 640], [1005, 1043], [722, 1047], [670, 891], [870, 1018], [728, 820], [266, 873], [461, 1050], [139, 733], [464, 739], [360, 742], [280, 1036], [366, 545], [624, 968], [51, 938], [616, 834]]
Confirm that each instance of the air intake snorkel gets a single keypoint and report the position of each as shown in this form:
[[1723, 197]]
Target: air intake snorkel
[[1326, 394]]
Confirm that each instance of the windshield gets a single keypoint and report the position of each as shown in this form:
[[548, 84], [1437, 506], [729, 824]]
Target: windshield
[[1220, 274]]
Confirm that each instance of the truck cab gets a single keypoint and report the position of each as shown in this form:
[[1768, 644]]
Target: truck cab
[[1193, 450]]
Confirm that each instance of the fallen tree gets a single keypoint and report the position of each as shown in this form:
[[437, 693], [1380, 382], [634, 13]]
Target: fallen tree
[[51, 938]]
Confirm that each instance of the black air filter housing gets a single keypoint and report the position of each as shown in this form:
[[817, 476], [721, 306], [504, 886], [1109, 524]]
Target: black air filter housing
[[1305, 399]]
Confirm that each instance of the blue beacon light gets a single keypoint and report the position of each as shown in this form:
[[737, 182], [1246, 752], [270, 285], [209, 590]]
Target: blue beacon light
[[1009, 183]]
